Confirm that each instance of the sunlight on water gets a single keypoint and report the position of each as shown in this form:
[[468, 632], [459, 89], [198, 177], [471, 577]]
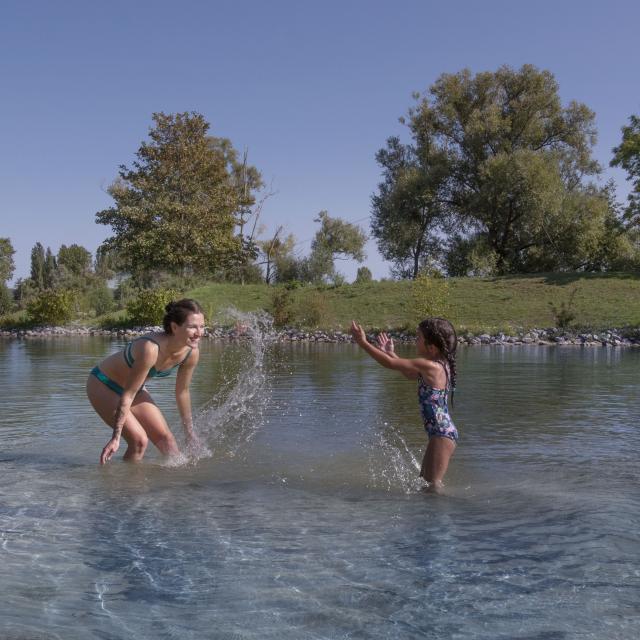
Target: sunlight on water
[[306, 521]]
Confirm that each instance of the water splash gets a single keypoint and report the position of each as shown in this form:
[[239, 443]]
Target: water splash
[[234, 415], [392, 464]]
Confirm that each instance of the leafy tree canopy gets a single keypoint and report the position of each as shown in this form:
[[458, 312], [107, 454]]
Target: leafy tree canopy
[[174, 209], [76, 259], [627, 156], [277, 256], [7, 264], [335, 240], [515, 158], [410, 208], [50, 270], [37, 265]]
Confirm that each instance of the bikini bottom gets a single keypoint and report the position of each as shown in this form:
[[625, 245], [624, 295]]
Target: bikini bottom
[[108, 382]]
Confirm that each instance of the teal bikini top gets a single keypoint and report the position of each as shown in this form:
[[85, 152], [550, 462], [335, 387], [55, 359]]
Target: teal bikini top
[[153, 372]]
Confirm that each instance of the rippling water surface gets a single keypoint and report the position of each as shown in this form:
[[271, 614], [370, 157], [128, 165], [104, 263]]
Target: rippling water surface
[[303, 516]]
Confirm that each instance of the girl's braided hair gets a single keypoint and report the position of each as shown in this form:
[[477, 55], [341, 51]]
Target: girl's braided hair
[[440, 333], [178, 312]]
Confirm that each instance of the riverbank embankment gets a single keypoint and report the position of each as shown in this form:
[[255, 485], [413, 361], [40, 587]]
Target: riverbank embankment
[[542, 337]]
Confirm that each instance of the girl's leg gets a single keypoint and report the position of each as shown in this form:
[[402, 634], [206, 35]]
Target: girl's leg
[[105, 402], [150, 417], [436, 460]]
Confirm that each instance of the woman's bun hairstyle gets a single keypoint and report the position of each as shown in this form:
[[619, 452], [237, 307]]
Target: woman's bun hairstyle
[[177, 311]]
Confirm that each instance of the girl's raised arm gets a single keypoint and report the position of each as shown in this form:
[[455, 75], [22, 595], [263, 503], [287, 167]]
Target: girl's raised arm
[[409, 368]]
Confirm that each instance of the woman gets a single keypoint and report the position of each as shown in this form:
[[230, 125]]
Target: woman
[[116, 387]]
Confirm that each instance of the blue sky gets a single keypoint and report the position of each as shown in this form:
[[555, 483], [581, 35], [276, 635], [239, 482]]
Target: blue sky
[[312, 90]]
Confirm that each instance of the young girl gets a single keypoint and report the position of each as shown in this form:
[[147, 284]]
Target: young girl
[[116, 387], [435, 371]]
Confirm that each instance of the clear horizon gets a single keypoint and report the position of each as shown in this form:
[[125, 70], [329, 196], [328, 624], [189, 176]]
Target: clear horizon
[[311, 91]]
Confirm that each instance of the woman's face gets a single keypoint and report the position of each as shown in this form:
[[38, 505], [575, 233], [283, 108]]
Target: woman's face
[[190, 331]]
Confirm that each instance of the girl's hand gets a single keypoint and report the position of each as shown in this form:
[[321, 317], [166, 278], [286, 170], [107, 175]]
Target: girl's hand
[[358, 333], [385, 343], [109, 450]]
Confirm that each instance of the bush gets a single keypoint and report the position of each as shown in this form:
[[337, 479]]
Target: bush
[[315, 312], [363, 276], [148, 308], [281, 306], [52, 306], [430, 296], [564, 314], [100, 299]]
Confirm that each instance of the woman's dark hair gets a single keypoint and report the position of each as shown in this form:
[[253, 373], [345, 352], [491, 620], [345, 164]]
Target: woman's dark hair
[[440, 333], [178, 312]]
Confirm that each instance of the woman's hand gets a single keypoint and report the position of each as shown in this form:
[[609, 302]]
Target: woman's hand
[[385, 343], [358, 333], [109, 450], [193, 439], [193, 444]]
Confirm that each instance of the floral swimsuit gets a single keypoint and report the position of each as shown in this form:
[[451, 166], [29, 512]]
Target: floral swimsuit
[[435, 411]]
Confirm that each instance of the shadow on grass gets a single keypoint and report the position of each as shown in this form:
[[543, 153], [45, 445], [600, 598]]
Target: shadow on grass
[[563, 279]]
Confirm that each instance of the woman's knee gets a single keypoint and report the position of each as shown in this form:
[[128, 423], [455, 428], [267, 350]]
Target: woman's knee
[[137, 444]]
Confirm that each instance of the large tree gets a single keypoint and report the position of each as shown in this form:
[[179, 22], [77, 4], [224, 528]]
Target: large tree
[[37, 265], [335, 240], [517, 161], [75, 259], [277, 256], [7, 264], [247, 182], [627, 156], [174, 209], [50, 270], [410, 209]]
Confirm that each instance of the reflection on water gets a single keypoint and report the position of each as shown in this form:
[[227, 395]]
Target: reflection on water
[[306, 521]]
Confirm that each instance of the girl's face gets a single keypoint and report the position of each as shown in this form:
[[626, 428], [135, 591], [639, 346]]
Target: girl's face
[[425, 349], [190, 331], [421, 344]]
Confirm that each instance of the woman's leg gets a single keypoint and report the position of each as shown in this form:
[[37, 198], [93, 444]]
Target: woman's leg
[[150, 417], [105, 402], [436, 460]]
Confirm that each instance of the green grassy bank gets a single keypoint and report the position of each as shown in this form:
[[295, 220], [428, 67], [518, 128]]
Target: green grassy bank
[[505, 304], [597, 301]]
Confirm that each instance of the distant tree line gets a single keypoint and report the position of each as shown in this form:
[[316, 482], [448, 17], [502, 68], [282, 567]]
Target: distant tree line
[[497, 177], [69, 283], [186, 211], [190, 207]]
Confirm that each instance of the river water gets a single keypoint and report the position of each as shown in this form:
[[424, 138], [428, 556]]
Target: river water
[[303, 516]]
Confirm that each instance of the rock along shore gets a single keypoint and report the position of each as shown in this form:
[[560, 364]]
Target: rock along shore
[[543, 337]]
